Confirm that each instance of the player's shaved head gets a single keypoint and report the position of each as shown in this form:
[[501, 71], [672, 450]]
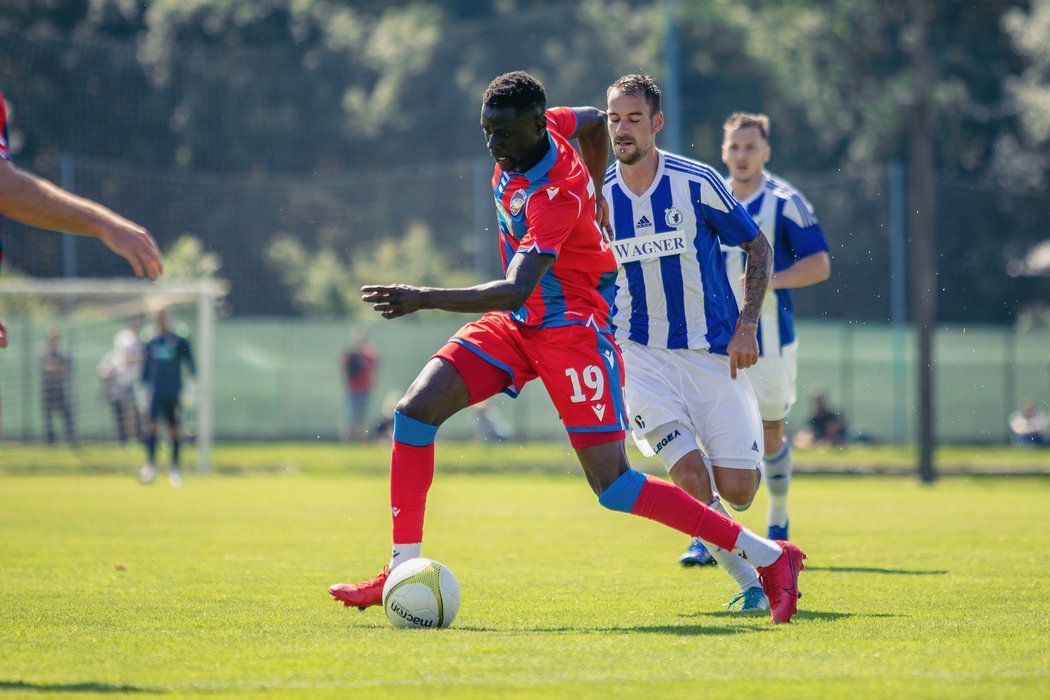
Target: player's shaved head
[[643, 85], [517, 90], [742, 120]]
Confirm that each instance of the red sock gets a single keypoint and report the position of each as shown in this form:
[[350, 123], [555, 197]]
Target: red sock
[[411, 474], [666, 503]]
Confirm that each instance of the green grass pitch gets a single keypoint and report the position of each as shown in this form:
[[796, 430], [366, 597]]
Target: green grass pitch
[[218, 589]]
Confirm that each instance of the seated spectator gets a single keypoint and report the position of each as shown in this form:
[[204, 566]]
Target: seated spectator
[[1028, 426], [825, 427]]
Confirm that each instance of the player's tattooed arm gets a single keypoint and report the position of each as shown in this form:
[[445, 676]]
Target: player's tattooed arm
[[757, 272]]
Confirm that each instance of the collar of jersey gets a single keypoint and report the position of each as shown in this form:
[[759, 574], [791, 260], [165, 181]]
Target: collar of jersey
[[544, 166], [757, 194], [652, 185]]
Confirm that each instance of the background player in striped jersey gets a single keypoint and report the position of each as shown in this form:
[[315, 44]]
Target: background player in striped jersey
[[800, 259], [676, 319], [547, 319], [39, 203]]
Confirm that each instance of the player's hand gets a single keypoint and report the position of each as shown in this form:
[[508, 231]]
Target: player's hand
[[3, 336], [135, 244], [602, 217], [743, 347], [394, 300]]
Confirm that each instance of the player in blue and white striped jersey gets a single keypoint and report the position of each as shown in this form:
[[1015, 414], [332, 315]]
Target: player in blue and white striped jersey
[[676, 318], [800, 259]]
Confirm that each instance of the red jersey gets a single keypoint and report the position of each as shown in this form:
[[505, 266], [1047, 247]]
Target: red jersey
[[5, 151], [5, 148], [551, 209]]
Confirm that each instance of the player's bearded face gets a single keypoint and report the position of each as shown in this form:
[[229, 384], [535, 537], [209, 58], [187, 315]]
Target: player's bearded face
[[632, 129]]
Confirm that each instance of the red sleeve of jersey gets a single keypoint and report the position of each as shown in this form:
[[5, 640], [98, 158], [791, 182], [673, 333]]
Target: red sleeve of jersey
[[562, 120], [5, 151], [551, 214]]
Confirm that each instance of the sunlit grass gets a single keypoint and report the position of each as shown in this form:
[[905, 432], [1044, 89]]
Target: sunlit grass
[[218, 589]]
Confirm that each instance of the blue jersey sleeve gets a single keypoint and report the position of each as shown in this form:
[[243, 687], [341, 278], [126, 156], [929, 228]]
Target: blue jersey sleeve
[[729, 219], [800, 229]]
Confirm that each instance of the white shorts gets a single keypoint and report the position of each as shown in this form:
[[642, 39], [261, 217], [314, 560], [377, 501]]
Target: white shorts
[[774, 378], [692, 387]]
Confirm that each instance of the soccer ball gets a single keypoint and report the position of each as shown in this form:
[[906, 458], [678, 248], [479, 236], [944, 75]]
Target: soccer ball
[[421, 593]]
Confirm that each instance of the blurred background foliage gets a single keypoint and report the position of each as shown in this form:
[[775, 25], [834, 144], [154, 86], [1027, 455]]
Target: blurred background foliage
[[296, 134]]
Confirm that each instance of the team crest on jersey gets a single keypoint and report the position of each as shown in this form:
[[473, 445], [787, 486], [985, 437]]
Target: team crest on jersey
[[674, 216], [517, 202]]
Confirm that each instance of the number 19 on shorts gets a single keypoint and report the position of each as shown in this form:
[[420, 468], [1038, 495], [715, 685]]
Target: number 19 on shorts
[[593, 380]]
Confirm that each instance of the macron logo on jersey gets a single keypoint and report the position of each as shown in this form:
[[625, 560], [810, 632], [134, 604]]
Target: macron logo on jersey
[[599, 411], [551, 191]]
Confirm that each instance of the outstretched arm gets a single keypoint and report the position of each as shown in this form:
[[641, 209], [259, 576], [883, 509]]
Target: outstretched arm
[[507, 294], [37, 202], [593, 137]]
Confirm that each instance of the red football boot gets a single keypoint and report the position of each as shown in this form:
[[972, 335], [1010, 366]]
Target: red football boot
[[361, 595], [780, 582]]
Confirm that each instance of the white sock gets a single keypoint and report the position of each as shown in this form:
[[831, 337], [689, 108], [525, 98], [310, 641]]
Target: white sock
[[757, 550], [403, 552], [740, 569], [778, 481]]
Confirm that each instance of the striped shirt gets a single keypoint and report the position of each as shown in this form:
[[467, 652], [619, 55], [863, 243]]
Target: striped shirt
[[671, 286], [788, 221]]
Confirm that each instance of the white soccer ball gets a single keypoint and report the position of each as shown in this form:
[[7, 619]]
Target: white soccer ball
[[421, 594]]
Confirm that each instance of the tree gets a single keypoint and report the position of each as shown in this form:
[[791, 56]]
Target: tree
[[326, 284], [187, 259], [1022, 160]]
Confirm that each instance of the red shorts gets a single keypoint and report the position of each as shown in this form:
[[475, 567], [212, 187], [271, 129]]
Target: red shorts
[[579, 365]]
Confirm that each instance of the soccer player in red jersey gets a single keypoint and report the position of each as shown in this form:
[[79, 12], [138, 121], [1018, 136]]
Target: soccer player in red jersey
[[548, 318], [36, 202]]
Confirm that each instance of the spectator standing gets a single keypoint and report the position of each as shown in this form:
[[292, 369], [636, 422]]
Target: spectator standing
[[359, 365], [119, 370], [55, 373]]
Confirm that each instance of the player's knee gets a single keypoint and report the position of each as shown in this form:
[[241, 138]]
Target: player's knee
[[737, 487], [737, 504], [694, 482]]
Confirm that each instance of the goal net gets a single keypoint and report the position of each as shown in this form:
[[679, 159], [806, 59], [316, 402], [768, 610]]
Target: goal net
[[71, 373]]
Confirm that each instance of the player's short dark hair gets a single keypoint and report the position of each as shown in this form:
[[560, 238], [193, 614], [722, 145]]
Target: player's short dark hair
[[742, 120], [517, 90], [639, 84]]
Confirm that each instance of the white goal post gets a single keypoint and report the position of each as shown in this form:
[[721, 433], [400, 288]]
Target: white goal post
[[93, 308]]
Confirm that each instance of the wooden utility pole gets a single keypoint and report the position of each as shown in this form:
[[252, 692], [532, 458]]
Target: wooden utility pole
[[924, 264]]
